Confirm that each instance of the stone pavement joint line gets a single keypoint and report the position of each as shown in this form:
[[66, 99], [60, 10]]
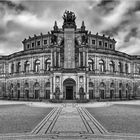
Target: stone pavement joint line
[[47, 122], [89, 123], [94, 124], [69, 122]]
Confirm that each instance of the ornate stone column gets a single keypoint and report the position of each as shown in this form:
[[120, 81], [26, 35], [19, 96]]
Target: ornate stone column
[[51, 65], [9, 67], [51, 87], [79, 60], [22, 66], [42, 64], [15, 66], [31, 64], [107, 65], [54, 58], [59, 59], [97, 64], [84, 58], [87, 86]]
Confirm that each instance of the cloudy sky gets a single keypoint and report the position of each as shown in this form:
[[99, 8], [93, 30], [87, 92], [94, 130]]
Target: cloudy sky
[[119, 19]]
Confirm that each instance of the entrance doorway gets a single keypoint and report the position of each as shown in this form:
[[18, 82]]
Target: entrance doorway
[[69, 89], [69, 93]]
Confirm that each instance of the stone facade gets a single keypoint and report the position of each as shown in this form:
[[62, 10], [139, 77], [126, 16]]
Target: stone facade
[[70, 63]]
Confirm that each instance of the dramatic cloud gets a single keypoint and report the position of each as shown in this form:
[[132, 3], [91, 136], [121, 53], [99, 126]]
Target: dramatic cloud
[[119, 19]]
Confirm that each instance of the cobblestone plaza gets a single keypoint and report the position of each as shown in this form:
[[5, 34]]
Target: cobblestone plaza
[[72, 121]]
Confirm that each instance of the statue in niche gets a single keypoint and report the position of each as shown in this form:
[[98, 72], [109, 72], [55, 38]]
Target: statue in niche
[[84, 39], [54, 39], [81, 93], [78, 40], [57, 93], [60, 40]]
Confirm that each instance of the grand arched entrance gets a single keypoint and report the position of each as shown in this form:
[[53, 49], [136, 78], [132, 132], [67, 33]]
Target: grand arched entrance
[[69, 89]]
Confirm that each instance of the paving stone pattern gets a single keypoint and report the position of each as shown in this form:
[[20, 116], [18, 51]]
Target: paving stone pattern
[[70, 121]]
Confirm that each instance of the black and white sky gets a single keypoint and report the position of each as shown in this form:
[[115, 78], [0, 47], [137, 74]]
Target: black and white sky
[[119, 19]]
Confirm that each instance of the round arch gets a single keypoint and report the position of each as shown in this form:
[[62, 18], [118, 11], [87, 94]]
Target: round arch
[[36, 90], [69, 89], [112, 89], [102, 90], [26, 90], [91, 90], [47, 90]]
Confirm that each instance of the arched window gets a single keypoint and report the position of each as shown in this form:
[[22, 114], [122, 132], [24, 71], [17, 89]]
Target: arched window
[[18, 67], [37, 66], [12, 90], [18, 90], [127, 90], [120, 67], [81, 92], [91, 65], [91, 90], [26, 90], [36, 90], [101, 66], [102, 90], [27, 66], [111, 90], [126, 68], [47, 91], [47, 65], [112, 66], [12, 68]]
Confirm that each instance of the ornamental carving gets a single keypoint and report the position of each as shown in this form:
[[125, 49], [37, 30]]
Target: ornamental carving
[[69, 19], [69, 16]]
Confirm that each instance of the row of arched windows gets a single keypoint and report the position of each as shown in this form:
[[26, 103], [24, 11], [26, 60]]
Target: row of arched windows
[[36, 88], [26, 85], [112, 85], [102, 93], [36, 67], [102, 66]]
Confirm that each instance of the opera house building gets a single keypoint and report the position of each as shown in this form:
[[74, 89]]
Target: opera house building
[[69, 63]]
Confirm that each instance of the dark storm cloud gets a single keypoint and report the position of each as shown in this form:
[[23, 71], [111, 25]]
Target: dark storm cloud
[[108, 3], [106, 6], [133, 33], [135, 9], [115, 30], [119, 19], [12, 5]]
